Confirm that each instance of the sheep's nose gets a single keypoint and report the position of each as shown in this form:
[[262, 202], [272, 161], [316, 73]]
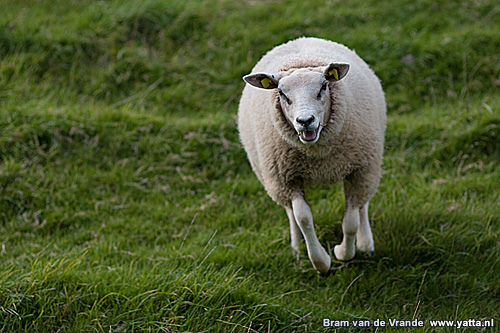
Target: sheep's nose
[[305, 120]]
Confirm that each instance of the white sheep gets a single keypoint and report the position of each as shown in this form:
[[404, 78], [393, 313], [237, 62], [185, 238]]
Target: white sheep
[[318, 117]]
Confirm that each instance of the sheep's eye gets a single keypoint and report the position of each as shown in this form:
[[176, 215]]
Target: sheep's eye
[[282, 95], [323, 89]]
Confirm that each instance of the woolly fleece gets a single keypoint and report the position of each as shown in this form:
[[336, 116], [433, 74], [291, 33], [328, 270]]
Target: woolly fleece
[[351, 145]]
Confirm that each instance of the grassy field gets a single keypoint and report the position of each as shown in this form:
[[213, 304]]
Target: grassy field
[[127, 202]]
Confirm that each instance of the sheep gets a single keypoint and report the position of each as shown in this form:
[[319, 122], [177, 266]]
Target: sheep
[[317, 117]]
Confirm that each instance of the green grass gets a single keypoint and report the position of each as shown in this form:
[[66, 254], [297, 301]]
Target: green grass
[[127, 202]]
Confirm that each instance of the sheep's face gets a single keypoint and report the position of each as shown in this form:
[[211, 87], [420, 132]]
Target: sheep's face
[[304, 96], [305, 100]]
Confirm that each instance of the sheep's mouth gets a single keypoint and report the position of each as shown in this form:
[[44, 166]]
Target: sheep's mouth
[[309, 136]]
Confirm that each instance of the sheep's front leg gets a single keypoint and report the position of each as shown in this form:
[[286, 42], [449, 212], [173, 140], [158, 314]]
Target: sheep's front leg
[[317, 254], [295, 232], [346, 250], [364, 237]]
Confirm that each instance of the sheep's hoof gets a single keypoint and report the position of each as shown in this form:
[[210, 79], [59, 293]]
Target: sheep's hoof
[[323, 265], [324, 274], [341, 253], [325, 271], [368, 250], [366, 247]]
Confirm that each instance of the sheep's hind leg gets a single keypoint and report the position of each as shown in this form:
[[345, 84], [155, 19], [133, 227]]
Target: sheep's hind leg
[[295, 233], [359, 188], [317, 254], [364, 237]]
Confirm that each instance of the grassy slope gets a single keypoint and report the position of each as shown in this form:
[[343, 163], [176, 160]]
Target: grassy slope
[[126, 201]]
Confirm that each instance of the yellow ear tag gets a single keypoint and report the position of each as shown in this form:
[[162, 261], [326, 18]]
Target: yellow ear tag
[[266, 82], [335, 74]]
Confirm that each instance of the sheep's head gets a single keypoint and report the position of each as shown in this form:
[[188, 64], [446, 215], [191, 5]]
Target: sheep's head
[[304, 96]]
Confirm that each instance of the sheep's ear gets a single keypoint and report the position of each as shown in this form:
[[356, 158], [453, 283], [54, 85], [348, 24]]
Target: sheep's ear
[[336, 71], [262, 80]]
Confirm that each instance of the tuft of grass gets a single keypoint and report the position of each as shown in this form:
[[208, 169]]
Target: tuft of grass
[[127, 202]]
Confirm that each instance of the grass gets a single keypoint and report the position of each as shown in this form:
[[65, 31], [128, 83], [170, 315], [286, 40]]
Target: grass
[[127, 202]]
